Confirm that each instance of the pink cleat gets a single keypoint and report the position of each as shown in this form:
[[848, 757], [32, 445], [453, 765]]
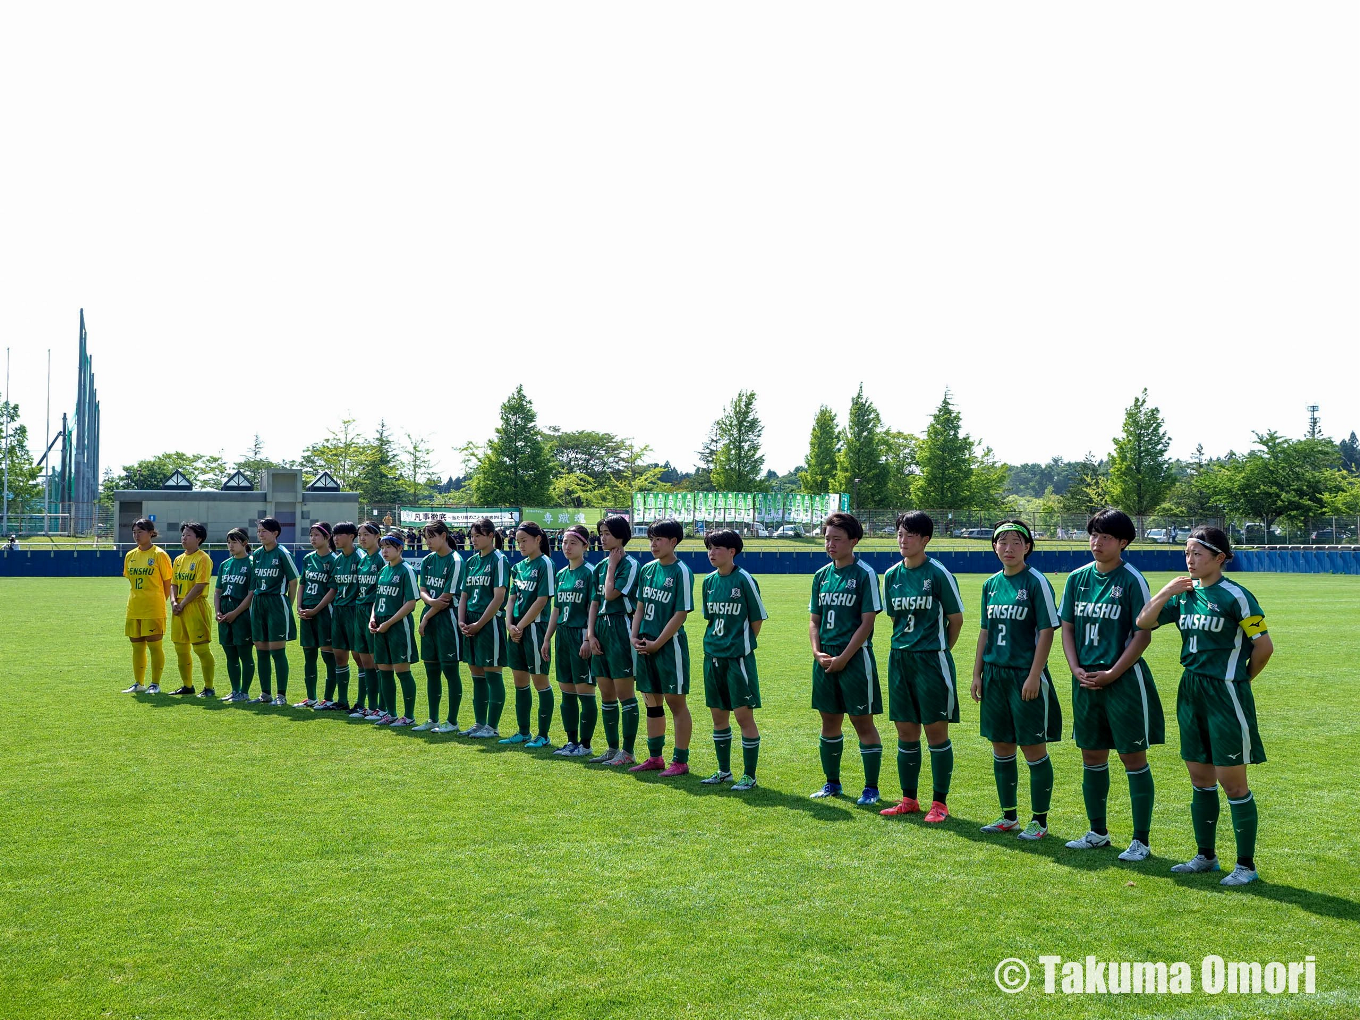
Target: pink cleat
[[655, 764], [677, 768], [937, 813]]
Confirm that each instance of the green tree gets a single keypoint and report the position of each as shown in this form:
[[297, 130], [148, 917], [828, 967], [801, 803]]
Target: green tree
[[987, 488], [1285, 478], [253, 463], [23, 473], [1141, 474], [343, 453], [1087, 491], [416, 463], [600, 455], [1350, 454], [203, 471], [860, 468], [738, 464], [899, 449], [514, 468], [824, 448], [378, 481], [946, 459], [1198, 492]]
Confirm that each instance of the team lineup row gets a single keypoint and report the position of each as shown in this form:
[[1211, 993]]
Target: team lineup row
[[618, 627]]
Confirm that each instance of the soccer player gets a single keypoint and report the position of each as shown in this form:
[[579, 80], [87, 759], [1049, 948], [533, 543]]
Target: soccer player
[[275, 577], [611, 646], [922, 599], [661, 649], [1114, 700], [1010, 678], [346, 625], [367, 570], [150, 581], [734, 612], [568, 637], [395, 597], [533, 580], [845, 600], [316, 621], [190, 625], [1214, 706], [481, 621], [231, 598], [441, 573]]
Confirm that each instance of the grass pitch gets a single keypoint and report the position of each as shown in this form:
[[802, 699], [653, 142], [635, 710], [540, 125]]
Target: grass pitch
[[169, 858]]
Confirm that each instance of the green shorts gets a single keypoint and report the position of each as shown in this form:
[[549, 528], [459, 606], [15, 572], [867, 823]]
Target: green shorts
[[1126, 716], [571, 668], [852, 691], [1008, 719], [922, 687], [271, 619], [316, 632], [486, 648], [441, 641], [396, 646], [238, 631], [344, 628], [362, 614], [526, 654], [613, 631], [1218, 721], [665, 671], [731, 683]]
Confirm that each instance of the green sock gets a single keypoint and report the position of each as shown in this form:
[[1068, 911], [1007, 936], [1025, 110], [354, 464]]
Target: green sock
[[1007, 780], [479, 700], [680, 756], [1095, 791], [455, 679], [1204, 808], [941, 769], [750, 754], [609, 713], [1041, 785], [1244, 828], [655, 745], [342, 683], [374, 686], [309, 672], [247, 657], [408, 693], [389, 691], [571, 714], [1141, 796], [589, 713], [872, 757], [233, 667], [524, 703], [545, 710], [329, 659], [434, 688], [909, 766], [361, 689], [495, 698], [722, 743], [266, 660], [280, 656], [831, 748], [628, 720]]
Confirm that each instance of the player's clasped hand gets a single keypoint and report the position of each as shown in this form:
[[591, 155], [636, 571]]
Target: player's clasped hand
[[1094, 680]]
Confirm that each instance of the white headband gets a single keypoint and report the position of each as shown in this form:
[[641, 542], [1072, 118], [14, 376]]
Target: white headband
[[1211, 548]]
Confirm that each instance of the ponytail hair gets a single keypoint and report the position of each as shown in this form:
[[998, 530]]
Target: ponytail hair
[[145, 524], [370, 528], [325, 529], [438, 528], [239, 535], [484, 526], [532, 529]]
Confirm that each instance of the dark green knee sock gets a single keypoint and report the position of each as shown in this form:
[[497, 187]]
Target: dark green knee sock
[[545, 710], [1244, 828], [233, 667], [280, 656], [408, 693], [609, 713], [872, 757], [571, 715], [628, 720], [524, 703], [495, 698], [1041, 785], [329, 659], [1007, 775], [266, 660], [342, 683], [479, 700], [1095, 791], [360, 688], [1141, 796], [831, 748], [941, 769], [589, 713], [389, 691], [246, 653], [750, 755], [455, 681], [655, 745], [1204, 808], [434, 688], [909, 766], [309, 656], [722, 744], [374, 688]]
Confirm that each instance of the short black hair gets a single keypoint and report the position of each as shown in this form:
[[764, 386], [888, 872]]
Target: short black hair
[[1215, 537], [199, 531], [667, 528], [916, 522], [724, 539], [1112, 522], [848, 523], [617, 525], [270, 524], [1024, 531], [140, 524], [345, 528]]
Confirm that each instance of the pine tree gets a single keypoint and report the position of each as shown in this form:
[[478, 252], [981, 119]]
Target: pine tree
[[378, 480], [1141, 474], [824, 447], [860, 468], [946, 459], [516, 468], [738, 465]]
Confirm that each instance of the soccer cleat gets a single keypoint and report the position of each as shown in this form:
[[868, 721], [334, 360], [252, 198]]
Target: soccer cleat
[[1137, 851], [428, 724], [359, 713], [181, 692], [580, 751], [718, 777], [446, 727], [829, 790], [471, 731], [136, 688], [489, 732], [207, 692], [868, 797], [1240, 875], [1197, 864], [1091, 841], [907, 806], [322, 705], [153, 688], [567, 749], [537, 742], [653, 764], [280, 701], [1002, 824], [306, 703], [937, 813], [381, 719], [604, 759], [260, 699], [1032, 831], [676, 768], [401, 722], [515, 738], [743, 784], [621, 757]]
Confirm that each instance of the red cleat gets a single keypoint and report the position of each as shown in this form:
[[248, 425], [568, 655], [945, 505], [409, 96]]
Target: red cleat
[[908, 806], [676, 769], [937, 813], [650, 765]]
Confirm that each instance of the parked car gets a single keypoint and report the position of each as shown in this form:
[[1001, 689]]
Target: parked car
[[757, 531], [1158, 534], [789, 531], [976, 533]]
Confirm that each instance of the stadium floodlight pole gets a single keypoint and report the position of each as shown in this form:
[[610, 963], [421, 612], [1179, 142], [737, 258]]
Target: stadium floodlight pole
[[47, 439], [4, 515]]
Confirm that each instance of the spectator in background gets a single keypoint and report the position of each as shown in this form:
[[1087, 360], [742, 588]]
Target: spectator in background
[[13, 544]]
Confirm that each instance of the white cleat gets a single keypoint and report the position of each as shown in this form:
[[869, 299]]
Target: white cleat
[[135, 689], [445, 727], [428, 724], [580, 751], [567, 750], [1240, 876], [153, 689], [1090, 841], [1137, 851], [1197, 864]]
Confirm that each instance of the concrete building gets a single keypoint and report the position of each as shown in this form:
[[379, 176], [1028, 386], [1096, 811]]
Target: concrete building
[[238, 505]]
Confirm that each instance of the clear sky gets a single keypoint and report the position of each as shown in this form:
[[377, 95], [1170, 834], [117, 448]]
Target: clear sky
[[275, 215]]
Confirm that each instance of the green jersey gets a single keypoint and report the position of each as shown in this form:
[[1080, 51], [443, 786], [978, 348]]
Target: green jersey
[[272, 569], [233, 579], [346, 577], [1102, 609], [440, 574], [730, 604], [533, 579], [1213, 622], [1014, 610], [840, 596], [625, 583], [663, 590], [575, 592], [482, 575], [367, 570], [318, 575], [918, 600], [396, 586]]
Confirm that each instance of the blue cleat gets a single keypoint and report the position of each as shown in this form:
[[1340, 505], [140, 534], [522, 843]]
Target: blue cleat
[[869, 796], [829, 790]]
